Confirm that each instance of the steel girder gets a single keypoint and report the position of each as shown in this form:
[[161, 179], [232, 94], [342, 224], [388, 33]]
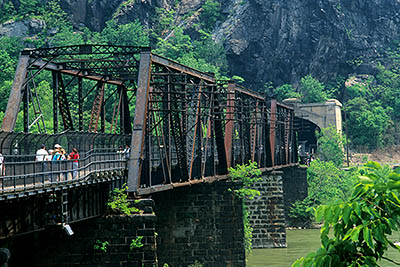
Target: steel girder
[[188, 127]]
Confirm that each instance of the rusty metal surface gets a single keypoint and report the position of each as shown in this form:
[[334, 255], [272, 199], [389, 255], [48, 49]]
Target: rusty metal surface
[[139, 123], [272, 132], [229, 124], [40, 63], [97, 107], [63, 104], [182, 68], [15, 98]]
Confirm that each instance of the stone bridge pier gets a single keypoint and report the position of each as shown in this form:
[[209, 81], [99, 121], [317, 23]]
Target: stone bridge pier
[[201, 222]]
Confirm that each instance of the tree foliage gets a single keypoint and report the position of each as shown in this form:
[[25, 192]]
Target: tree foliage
[[312, 90], [331, 145], [286, 91], [327, 181], [362, 225], [367, 122]]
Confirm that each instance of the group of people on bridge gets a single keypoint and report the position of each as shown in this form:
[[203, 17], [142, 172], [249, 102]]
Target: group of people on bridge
[[56, 165], [57, 154]]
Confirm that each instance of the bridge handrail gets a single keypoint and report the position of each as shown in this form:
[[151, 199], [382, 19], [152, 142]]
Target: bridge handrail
[[43, 174]]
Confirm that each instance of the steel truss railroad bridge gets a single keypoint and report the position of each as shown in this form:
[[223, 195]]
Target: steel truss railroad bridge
[[183, 127]]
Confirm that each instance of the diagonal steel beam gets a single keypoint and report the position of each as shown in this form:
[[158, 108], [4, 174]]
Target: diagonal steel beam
[[14, 100], [182, 68], [64, 105], [139, 123], [57, 67]]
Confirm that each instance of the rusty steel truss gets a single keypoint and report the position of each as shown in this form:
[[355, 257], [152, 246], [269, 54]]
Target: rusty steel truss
[[93, 78], [186, 126], [189, 127]]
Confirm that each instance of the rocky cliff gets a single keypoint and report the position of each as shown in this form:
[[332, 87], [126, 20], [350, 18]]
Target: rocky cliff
[[283, 40], [275, 40]]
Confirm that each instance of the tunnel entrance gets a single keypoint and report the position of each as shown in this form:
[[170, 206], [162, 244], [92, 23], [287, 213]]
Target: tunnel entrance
[[306, 138]]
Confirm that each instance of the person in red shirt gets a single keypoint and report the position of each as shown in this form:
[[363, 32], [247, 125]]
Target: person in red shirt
[[74, 155]]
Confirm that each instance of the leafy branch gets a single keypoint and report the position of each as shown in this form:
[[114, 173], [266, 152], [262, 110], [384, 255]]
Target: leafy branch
[[119, 201], [362, 225]]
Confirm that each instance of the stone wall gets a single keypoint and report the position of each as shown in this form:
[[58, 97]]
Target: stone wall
[[202, 222], [294, 188], [54, 247], [267, 212]]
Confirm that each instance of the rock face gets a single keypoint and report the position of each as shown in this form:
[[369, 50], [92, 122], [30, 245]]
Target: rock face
[[276, 40], [95, 13], [23, 28], [90, 13], [284, 40]]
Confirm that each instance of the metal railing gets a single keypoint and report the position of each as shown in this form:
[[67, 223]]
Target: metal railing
[[21, 173]]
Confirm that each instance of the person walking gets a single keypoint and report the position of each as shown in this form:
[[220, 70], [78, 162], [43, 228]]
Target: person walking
[[58, 157], [2, 171], [41, 156], [2, 165], [74, 156], [127, 152]]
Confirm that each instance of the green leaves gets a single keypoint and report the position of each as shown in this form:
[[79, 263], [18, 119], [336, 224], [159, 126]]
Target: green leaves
[[362, 225], [368, 237], [346, 213], [331, 146]]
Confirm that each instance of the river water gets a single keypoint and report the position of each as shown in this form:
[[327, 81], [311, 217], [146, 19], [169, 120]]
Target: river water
[[300, 243]]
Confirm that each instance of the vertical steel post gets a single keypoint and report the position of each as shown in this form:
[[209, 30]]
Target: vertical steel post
[[229, 125], [139, 123], [55, 101], [80, 104], [26, 108], [103, 113], [15, 98], [272, 131], [218, 133]]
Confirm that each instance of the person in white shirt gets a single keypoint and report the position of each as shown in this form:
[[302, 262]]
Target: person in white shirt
[[41, 155], [1, 165]]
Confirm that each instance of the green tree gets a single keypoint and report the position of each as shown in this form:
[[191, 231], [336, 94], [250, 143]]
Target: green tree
[[330, 145], [66, 36], [367, 122], [312, 90], [328, 183], [361, 226], [210, 14], [122, 34], [286, 91]]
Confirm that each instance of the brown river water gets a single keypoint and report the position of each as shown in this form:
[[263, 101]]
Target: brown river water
[[300, 243]]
